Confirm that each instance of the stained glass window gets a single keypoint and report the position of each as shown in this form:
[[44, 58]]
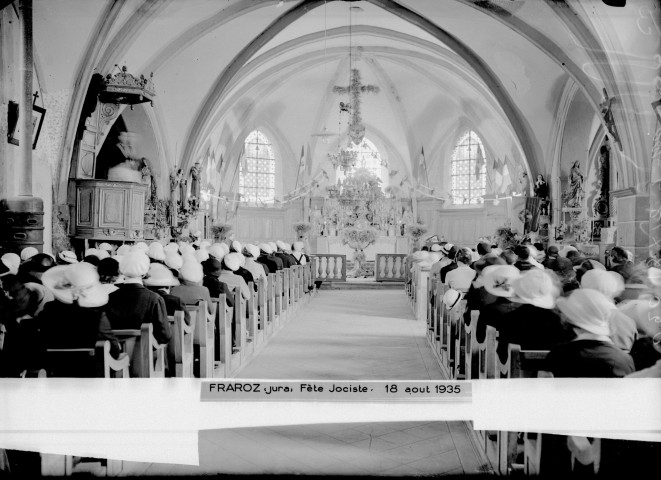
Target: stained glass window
[[368, 158], [257, 170], [469, 170]]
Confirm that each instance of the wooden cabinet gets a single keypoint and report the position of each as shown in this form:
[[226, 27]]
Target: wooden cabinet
[[110, 210]]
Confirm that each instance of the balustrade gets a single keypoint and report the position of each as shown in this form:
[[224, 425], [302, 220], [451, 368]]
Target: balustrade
[[390, 267], [329, 267]]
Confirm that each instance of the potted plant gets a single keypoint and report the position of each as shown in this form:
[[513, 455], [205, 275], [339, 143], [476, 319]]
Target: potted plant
[[221, 232], [414, 232], [302, 229]]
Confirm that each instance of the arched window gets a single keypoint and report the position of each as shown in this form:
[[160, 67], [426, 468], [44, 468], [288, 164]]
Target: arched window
[[257, 170], [368, 157], [469, 170]]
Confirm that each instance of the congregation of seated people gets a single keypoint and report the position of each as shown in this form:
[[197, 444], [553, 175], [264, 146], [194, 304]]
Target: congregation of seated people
[[62, 301], [594, 319]]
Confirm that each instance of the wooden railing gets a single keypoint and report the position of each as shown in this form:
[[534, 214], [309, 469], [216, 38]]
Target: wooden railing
[[329, 267], [390, 267]]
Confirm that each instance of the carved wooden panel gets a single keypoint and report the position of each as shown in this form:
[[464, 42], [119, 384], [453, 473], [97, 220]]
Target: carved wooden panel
[[85, 200], [137, 210], [112, 207]]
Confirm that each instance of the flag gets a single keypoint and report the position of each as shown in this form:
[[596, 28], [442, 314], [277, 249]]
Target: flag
[[507, 181], [301, 164], [479, 163], [308, 161]]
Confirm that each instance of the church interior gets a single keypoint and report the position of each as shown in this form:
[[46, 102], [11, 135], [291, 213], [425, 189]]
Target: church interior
[[334, 190]]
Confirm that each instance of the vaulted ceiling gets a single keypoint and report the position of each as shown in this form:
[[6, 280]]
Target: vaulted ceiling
[[223, 68]]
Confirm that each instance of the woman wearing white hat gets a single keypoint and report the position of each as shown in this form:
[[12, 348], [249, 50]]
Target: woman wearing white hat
[[282, 252], [133, 304], [591, 353], [27, 253], [191, 291], [76, 318], [497, 281], [265, 258], [161, 280], [66, 257], [12, 262], [534, 325], [231, 262], [251, 253]]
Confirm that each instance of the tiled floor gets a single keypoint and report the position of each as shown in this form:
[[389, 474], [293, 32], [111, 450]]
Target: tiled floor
[[348, 335]]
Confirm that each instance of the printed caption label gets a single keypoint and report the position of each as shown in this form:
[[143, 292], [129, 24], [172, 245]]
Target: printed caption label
[[331, 391]]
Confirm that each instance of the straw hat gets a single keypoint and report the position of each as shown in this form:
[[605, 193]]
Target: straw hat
[[451, 299], [535, 287], [160, 276], [173, 260], [77, 282], [611, 284], [186, 248], [28, 252], [273, 246], [191, 272], [498, 279], [436, 248], [105, 246], [67, 256], [123, 250], [101, 254], [282, 245], [587, 309], [251, 250], [232, 261], [12, 261], [140, 246], [236, 246], [134, 265], [266, 248], [171, 247], [201, 255], [217, 251]]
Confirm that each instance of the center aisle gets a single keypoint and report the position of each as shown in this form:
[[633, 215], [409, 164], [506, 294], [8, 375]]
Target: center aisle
[[342, 335], [349, 335]]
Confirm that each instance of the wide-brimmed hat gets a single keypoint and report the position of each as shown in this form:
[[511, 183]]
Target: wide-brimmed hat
[[28, 252], [39, 263], [173, 260], [236, 246], [266, 248], [160, 276], [134, 265], [497, 279], [105, 246], [535, 287], [201, 255], [251, 250], [171, 247], [274, 246], [191, 272], [4, 269], [217, 251], [451, 299], [436, 248], [587, 309], [552, 250], [298, 246], [123, 250], [611, 284], [282, 245], [12, 261], [445, 249], [212, 267], [67, 256], [232, 261], [187, 249], [77, 282], [140, 246]]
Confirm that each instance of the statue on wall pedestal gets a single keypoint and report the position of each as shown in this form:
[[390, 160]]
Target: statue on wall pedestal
[[196, 173], [542, 191], [574, 195], [524, 184]]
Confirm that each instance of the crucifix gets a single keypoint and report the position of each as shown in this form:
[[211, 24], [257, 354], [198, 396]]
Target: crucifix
[[355, 89], [35, 95], [609, 120]]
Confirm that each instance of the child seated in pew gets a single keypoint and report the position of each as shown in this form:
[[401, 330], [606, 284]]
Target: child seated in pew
[[191, 291], [160, 279]]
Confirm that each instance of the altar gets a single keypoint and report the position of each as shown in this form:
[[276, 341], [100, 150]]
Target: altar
[[383, 244]]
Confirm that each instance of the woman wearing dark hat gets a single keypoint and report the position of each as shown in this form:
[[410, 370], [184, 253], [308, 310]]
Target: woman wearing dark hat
[[212, 268], [33, 269], [620, 262], [76, 318], [108, 269]]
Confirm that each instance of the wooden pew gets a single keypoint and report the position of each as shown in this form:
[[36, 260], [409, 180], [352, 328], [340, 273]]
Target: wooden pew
[[519, 364], [181, 348], [204, 337], [222, 336], [262, 299], [486, 360], [240, 322], [287, 296], [470, 347], [65, 361], [431, 301], [270, 298], [254, 334], [456, 332], [147, 355]]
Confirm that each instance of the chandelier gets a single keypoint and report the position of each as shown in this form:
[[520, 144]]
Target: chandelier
[[344, 158]]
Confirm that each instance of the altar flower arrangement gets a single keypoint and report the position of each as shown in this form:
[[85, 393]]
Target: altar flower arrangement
[[416, 231], [359, 237], [302, 228], [507, 238], [221, 231]]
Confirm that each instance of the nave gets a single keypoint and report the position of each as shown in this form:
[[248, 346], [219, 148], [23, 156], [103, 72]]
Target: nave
[[347, 335]]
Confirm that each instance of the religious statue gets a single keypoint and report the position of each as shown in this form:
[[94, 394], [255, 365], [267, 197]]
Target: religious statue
[[196, 173], [542, 191], [525, 184], [183, 192], [148, 179], [574, 194]]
